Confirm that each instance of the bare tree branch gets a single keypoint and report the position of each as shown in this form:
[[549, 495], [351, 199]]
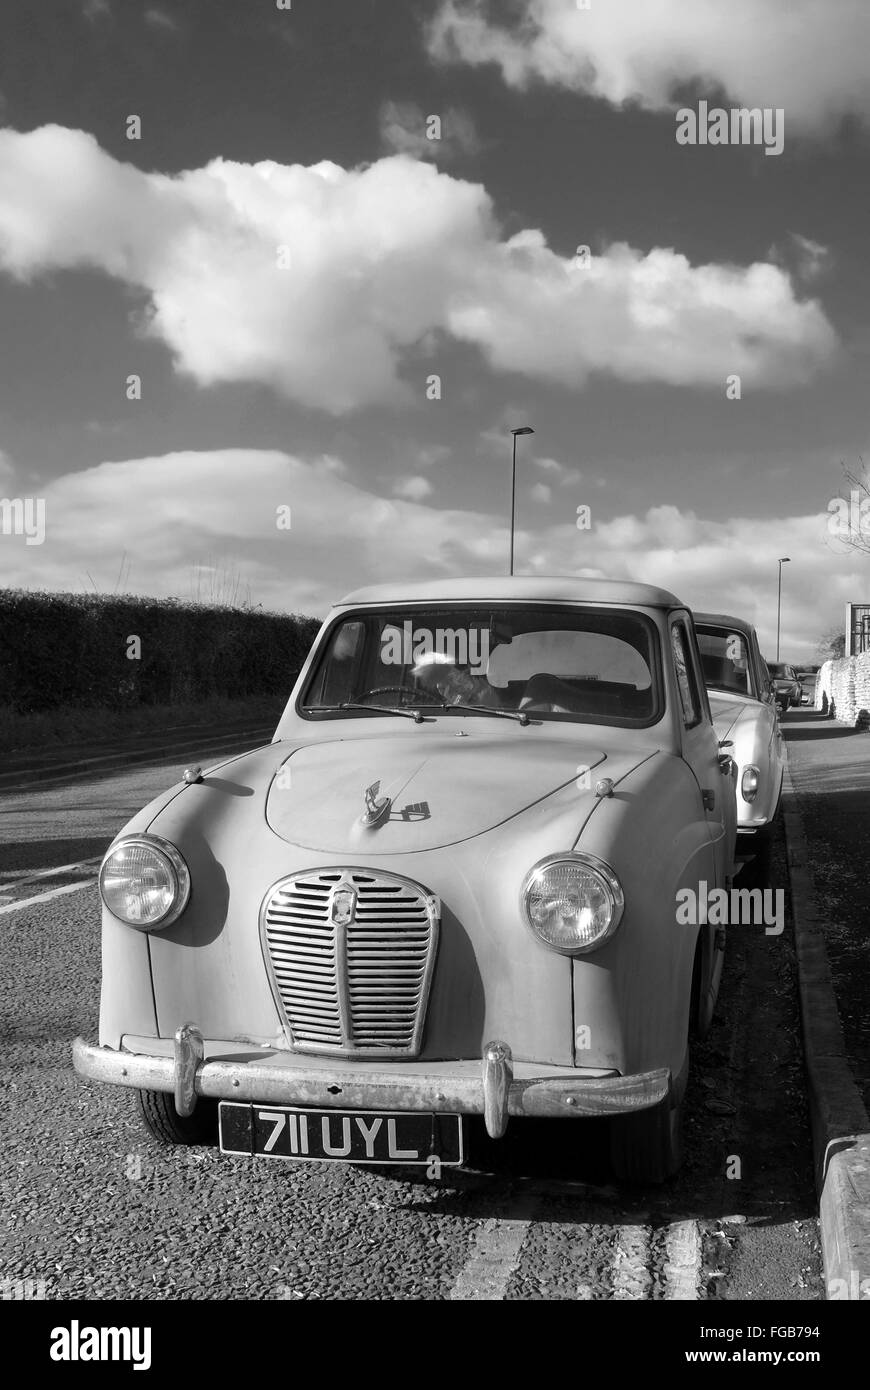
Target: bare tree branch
[[849, 521]]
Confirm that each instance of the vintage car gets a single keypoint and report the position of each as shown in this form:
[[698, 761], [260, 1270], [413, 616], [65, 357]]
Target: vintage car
[[446, 889], [786, 686], [745, 715]]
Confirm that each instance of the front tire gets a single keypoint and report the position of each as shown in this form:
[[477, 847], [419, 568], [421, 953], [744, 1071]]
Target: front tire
[[165, 1126]]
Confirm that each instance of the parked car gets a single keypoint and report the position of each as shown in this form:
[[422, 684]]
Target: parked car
[[744, 714], [787, 687], [446, 888], [808, 680]]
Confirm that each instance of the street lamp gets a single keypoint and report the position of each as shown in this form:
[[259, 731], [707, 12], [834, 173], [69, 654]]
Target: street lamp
[[784, 561], [523, 429]]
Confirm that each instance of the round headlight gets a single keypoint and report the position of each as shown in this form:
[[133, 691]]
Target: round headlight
[[749, 783], [572, 902], [145, 882]]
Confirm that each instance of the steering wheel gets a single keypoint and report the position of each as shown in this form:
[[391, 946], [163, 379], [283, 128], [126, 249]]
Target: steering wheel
[[384, 690]]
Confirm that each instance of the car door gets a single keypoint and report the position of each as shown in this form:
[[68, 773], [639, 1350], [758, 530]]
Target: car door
[[713, 769]]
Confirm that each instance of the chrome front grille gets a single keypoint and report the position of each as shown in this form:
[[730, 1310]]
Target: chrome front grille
[[351, 954]]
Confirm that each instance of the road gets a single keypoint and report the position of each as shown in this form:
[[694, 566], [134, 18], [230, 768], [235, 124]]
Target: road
[[830, 768], [88, 1206]]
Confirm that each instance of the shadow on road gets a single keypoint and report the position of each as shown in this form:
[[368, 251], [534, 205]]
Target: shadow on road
[[35, 855]]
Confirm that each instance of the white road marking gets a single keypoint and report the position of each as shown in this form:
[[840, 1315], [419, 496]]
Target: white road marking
[[494, 1256], [46, 897], [631, 1255], [20, 880], [683, 1262]]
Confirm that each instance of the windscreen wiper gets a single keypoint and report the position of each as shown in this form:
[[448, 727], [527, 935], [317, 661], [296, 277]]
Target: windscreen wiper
[[415, 714], [519, 715], [356, 704]]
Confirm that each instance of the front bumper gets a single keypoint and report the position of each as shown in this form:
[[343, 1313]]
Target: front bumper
[[495, 1087]]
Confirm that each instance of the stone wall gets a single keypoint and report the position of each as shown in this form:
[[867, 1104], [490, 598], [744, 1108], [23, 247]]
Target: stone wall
[[843, 690]]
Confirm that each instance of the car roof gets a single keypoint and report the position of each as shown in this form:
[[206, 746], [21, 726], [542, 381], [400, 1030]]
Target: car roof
[[722, 620], [559, 589]]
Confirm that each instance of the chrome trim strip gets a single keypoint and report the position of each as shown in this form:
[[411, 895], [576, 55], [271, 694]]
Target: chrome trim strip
[[339, 949]]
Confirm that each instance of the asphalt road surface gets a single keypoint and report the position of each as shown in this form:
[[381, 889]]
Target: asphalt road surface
[[92, 1210]]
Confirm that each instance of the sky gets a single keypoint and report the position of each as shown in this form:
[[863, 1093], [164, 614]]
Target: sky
[[273, 345]]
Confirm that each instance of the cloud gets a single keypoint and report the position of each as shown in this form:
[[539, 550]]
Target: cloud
[[406, 130], [319, 281], [806, 57], [540, 492], [96, 10], [191, 513], [159, 19], [558, 472], [195, 509], [720, 566], [808, 259], [414, 489], [429, 455]]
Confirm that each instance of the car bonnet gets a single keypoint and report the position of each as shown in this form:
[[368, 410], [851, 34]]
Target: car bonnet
[[400, 794]]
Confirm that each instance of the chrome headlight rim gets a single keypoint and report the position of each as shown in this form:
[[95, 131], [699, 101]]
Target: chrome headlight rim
[[607, 876], [179, 871]]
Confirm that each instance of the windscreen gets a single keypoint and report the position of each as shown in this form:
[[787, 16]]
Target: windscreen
[[590, 665]]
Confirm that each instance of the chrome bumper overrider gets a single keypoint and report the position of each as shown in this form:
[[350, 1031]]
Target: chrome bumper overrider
[[489, 1088]]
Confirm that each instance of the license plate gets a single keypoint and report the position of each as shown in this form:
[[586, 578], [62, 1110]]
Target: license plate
[[341, 1136]]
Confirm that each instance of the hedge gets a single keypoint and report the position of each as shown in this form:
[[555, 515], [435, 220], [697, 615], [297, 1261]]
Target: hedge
[[71, 650]]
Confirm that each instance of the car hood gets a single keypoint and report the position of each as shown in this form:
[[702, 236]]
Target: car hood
[[443, 788]]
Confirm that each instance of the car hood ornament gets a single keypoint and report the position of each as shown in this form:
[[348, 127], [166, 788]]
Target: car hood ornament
[[377, 807]]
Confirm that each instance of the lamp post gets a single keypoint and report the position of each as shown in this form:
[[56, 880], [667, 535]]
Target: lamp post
[[523, 429], [784, 561]]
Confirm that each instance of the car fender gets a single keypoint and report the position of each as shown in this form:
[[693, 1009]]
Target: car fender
[[635, 992]]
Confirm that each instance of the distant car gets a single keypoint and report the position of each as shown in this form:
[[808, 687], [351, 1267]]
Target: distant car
[[786, 686], [448, 887], [744, 713], [808, 686]]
